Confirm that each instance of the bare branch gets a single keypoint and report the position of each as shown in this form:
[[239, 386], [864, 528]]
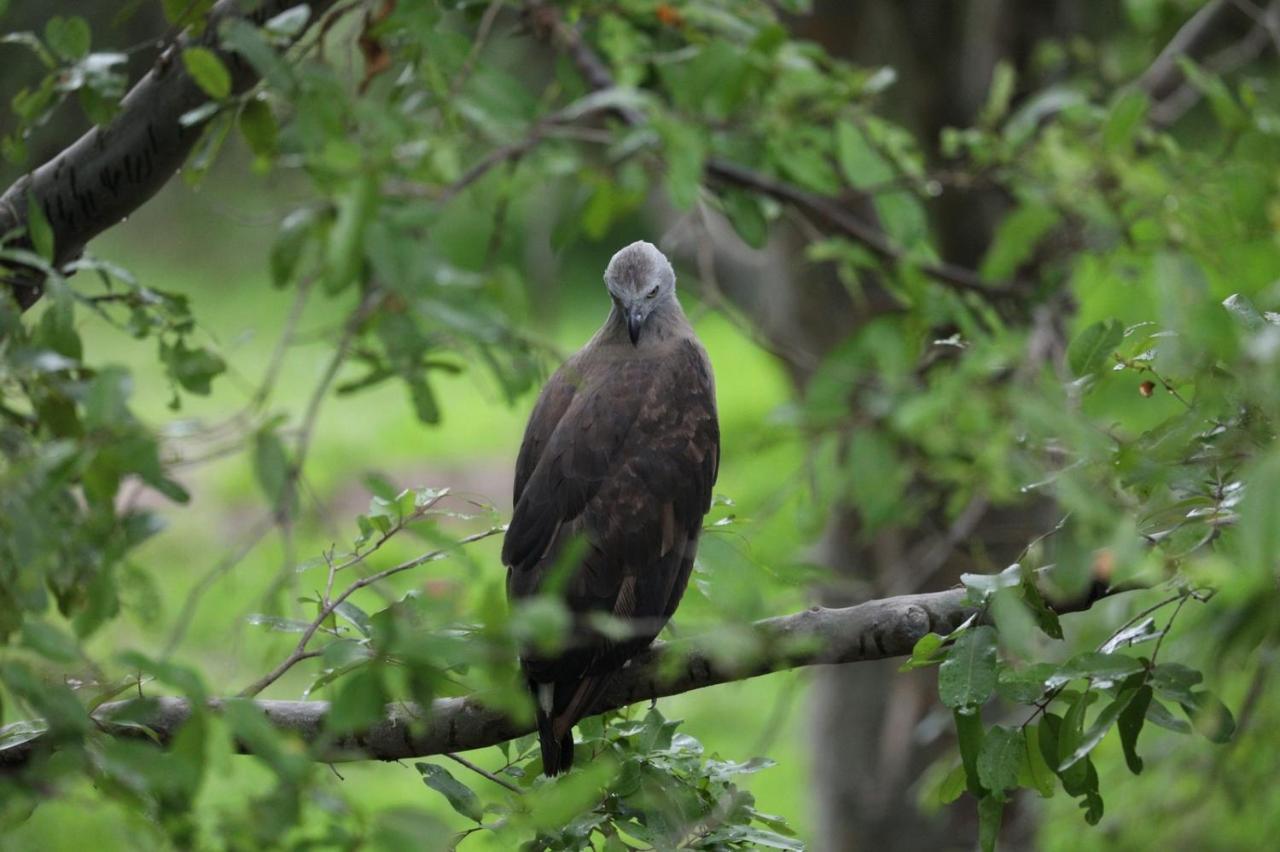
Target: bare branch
[[1163, 74]]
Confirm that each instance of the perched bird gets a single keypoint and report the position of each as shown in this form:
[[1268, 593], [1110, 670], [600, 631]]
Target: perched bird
[[619, 456]]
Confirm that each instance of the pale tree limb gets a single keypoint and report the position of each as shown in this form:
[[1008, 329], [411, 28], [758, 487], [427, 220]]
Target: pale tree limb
[[112, 170], [874, 630]]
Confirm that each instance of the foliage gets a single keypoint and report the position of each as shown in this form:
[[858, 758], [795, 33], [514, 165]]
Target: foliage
[[1149, 427]]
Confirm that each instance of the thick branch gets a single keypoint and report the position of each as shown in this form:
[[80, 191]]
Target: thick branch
[[875, 630], [113, 170]]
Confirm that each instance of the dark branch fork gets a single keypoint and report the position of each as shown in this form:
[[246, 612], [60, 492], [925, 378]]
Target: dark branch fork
[[875, 630], [113, 170]]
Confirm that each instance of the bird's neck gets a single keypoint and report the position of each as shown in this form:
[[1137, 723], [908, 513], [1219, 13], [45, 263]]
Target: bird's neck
[[666, 321]]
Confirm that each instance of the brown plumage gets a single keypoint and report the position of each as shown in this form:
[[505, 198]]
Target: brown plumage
[[619, 456]]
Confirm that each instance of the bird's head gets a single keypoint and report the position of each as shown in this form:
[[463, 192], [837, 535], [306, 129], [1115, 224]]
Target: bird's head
[[639, 278]]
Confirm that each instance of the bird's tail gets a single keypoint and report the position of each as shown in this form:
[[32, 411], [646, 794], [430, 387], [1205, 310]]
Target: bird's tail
[[557, 753], [559, 707]]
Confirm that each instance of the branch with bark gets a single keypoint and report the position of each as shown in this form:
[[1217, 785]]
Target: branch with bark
[[112, 170], [875, 630]]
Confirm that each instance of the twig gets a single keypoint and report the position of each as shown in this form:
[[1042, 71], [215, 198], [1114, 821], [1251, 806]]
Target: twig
[[299, 652], [1163, 73], [283, 342], [187, 613], [1168, 110], [1155, 652], [484, 772], [482, 36]]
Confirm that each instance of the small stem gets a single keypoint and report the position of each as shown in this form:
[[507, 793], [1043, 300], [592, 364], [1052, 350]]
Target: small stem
[[300, 653], [484, 772]]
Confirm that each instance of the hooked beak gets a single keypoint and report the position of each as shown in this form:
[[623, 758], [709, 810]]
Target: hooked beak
[[634, 321]]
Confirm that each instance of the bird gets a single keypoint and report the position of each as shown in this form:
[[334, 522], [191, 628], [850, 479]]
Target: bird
[[614, 477]]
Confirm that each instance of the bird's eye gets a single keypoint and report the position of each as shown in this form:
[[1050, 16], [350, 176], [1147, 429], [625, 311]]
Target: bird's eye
[[652, 293]]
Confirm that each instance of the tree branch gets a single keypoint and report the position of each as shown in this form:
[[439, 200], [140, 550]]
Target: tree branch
[[113, 170], [875, 630], [1163, 74]]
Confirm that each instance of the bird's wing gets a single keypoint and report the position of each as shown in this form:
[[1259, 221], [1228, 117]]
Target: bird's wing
[[552, 403], [629, 468]]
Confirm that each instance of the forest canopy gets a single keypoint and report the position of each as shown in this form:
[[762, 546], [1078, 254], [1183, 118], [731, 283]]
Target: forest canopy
[[992, 292]]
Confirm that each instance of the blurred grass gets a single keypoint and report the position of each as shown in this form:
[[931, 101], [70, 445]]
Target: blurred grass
[[189, 243]]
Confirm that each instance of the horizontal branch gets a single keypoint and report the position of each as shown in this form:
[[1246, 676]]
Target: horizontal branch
[[875, 630], [112, 170]]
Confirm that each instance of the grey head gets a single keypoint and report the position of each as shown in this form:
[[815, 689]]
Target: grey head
[[640, 279]]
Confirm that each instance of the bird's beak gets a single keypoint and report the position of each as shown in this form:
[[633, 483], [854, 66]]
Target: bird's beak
[[635, 320]]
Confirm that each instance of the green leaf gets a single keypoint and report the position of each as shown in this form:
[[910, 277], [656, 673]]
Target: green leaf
[[990, 814], [1259, 526], [1088, 353], [273, 469], [999, 758], [424, 401], [49, 641], [1130, 725], [683, 152], [247, 40], [860, 163], [39, 229], [953, 785], [1098, 729], [358, 617], [207, 70], [18, 733], [193, 369], [1159, 715], [1003, 80], [982, 586], [1034, 772], [184, 12], [295, 231], [1125, 119], [277, 624], [57, 329], [969, 736], [460, 796], [878, 477], [1024, 686], [258, 126], [344, 252], [1102, 669], [746, 216], [70, 37], [1210, 717], [926, 652], [1058, 737], [1016, 239], [968, 675], [361, 701], [1225, 108], [289, 23]]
